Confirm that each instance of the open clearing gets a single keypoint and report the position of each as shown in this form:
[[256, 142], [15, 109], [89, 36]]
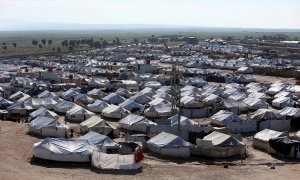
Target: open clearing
[[16, 163]]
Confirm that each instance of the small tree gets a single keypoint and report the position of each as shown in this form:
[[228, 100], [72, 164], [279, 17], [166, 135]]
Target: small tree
[[58, 49], [50, 42], [44, 41], [65, 43], [117, 41], [40, 46], [135, 40], [35, 42], [53, 49], [15, 45]]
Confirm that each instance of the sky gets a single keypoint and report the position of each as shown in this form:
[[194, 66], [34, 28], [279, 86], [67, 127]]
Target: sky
[[281, 14]]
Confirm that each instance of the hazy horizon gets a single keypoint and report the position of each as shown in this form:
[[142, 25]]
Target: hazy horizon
[[58, 14]]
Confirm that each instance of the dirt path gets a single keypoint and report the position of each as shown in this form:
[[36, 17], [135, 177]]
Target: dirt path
[[15, 156]]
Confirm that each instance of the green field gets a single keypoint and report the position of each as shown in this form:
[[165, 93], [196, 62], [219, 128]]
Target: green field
[[24, 38]]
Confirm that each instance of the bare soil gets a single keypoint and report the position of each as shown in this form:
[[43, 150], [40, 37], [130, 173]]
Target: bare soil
[[16, 163]]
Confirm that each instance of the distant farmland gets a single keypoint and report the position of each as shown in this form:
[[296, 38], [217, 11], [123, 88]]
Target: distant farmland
[[24, 38]]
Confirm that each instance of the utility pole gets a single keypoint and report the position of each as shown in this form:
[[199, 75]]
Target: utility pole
[[175, 92]]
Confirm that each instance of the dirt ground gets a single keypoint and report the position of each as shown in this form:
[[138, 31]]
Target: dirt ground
[[16, 154]]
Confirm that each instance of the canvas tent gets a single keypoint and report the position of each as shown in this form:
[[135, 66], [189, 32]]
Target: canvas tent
[[83, 99], [64, 150], [222, 118], [157, 111], [218, 144], [141, 98], [106, 161], [282, 102], [234, 106], [96, 93], [261, 139], [4, 103], [97, 124], [169, 145], [266, 118], [113, 111], [131, 105], [113, 98], [233, 122], [78, 114], [64, 106], [47, 94], [69, 94], [48, 127], [254, 103], [97, 106], [102, 142], [134, 122], [293, 114], [43, 112]]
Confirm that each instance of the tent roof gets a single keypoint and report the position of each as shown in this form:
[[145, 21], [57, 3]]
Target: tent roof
[[166, 140]]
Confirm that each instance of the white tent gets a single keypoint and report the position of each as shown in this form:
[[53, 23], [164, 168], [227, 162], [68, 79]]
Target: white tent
[[18, 108], [64, 106], [158, 100], [141, 98], [131, 105], [163, 95], [43, 112], [235, 106], [48, 127], [264, 114], [282, 102], [261, 139], [222, 118], [47, 94], [69, 94], [290, 112], [229, 92], [106, 161], [148, 91], [4, 103], [212, 99], [83, 99], [123, 92], [270, 119], [254, 103], [97, 124], [152, 84], [97, 106], [218, 144], [159, 110], [18, 95], [191, 102], [78, 114], [113, 111], [64, 150], [136, 123], [169, 145], [283, 94], [96, 93], [47, 103], [113, 98], [244, 70], [102, 142]]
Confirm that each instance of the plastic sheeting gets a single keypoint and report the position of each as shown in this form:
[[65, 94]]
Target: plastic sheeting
[[65, 150], [114, 161], [43, 112], [97, 106]]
